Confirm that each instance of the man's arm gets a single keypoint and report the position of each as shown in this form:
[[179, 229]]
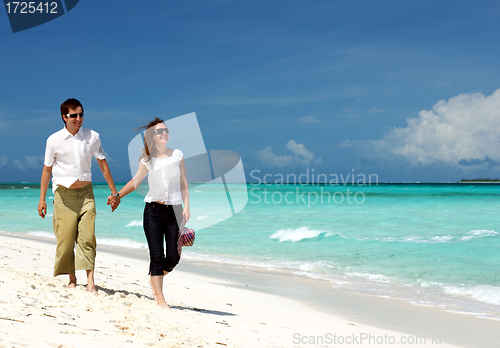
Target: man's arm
[[44, 186], [103, 165]]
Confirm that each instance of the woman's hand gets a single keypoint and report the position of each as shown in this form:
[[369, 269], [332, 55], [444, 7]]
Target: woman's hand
[[113, 202], [186, 215]]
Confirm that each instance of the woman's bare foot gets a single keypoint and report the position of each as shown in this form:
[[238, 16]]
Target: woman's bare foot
[[152, 288], [156, 283], [163, 305]]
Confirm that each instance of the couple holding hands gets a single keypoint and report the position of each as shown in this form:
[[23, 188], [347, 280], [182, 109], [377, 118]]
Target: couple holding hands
[[68, 157]]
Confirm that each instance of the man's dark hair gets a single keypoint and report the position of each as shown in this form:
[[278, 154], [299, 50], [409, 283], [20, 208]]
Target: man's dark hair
[[71, 103]]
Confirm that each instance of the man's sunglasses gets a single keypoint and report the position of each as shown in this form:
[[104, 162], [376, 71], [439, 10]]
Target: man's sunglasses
[[161, 131], [75, 115]]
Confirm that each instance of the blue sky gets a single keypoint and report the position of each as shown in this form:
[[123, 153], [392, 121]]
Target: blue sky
[[406, 90]]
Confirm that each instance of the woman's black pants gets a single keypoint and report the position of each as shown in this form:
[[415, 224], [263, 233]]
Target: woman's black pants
[[160, 224]]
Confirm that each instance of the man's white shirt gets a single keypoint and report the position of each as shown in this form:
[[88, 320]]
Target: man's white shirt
[[71, 156]]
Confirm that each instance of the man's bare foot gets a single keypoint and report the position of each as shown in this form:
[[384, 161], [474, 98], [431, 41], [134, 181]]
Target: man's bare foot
[[72, 282], [91, 288], [90, 282]]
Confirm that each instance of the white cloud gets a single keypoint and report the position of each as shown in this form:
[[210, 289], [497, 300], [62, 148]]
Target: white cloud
[[300, 156], [18, 164], [309, 119], [345, 143], [462, 131], [30, 162], [35, 162], [267, 157], [4, 119], [3, 161], [375, 110]]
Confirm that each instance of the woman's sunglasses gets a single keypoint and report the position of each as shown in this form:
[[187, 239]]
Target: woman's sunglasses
[[161, 131]]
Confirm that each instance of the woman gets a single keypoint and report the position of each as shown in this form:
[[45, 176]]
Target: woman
[[163, 213]]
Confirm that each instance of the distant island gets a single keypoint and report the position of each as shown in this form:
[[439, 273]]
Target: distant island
[[479, 180]]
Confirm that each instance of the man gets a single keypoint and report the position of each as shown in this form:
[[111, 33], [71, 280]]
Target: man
[[68, 157]]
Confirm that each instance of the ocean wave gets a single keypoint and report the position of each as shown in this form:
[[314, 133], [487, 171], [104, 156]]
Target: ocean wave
[[335, 280], [122, 242], [436, 239], [373, 277], [428, 293], [135, 223], [197, 256], [298, 234], [293, 266], [323, 266], [482, 293], [478, 234], [119, 242], [44, 234], [473, 300]]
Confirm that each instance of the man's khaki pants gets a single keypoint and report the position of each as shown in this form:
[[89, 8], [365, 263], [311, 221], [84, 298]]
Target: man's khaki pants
[[74, 222]]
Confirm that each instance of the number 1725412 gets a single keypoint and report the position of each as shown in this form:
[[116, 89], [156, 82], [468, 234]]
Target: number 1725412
[[31, 7]]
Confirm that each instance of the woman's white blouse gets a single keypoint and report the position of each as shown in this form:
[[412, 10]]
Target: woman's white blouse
[[164, 179]]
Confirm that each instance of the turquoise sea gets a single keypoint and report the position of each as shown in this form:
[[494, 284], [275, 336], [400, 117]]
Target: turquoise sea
[[430, 244]]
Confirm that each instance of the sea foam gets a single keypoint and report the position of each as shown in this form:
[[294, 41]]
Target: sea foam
[[436, 239], [135, 223], [121, 242], [483, 293], [478, 234], [298, 234], [43, 234]]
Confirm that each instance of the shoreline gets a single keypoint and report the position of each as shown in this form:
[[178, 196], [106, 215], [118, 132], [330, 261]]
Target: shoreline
[[312, 183], [374, 312]]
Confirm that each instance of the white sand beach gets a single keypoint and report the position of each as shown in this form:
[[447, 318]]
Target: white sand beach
[[36, 310]]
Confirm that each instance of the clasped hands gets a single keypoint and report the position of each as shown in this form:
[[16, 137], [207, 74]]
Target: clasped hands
[[113, 202]]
